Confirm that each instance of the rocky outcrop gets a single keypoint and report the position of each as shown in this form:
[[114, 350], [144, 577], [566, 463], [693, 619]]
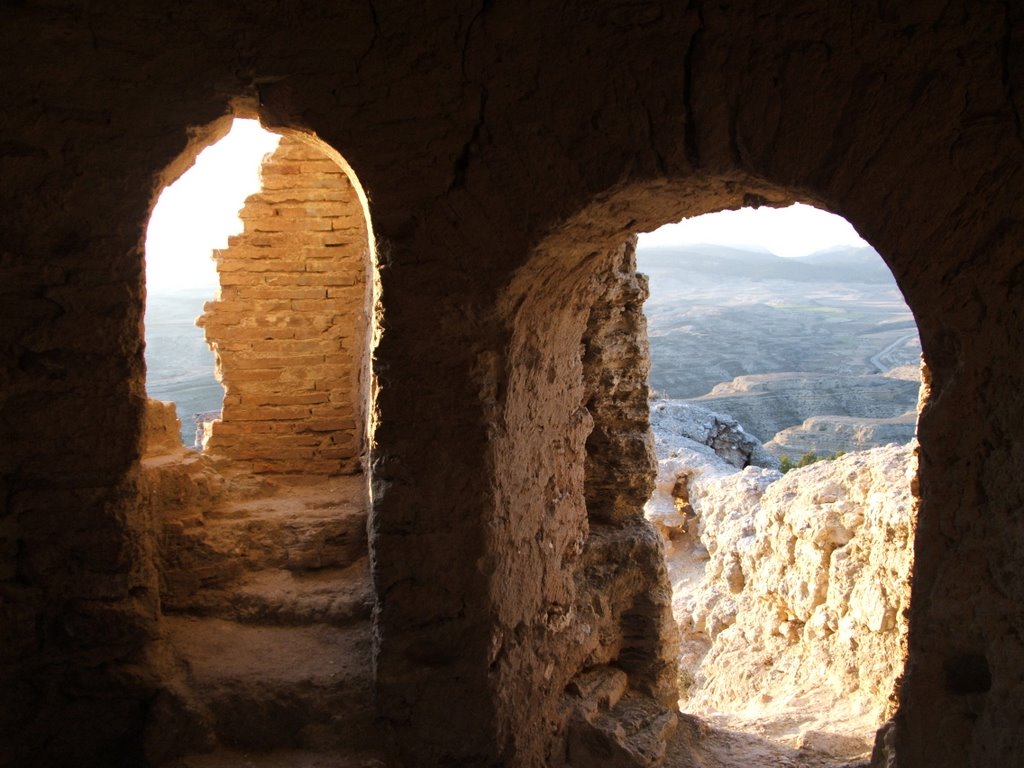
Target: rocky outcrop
[[768, 403], [675, 419], [826, 435], [790, 591]]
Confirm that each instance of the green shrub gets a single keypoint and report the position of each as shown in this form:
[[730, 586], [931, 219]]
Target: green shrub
[[786, 463]]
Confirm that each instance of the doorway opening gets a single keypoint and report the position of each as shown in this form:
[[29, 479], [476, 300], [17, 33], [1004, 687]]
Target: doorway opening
[[778, 338], [266, 592]]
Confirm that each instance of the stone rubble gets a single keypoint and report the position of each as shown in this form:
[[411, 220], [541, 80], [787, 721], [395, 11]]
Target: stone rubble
[[790, 591]]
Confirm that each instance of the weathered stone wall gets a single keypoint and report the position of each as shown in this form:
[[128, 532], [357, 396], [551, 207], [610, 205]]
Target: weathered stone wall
[[790, 590], [601, 610], [504, 148], [619, 476], [290, 326], [620, 465]]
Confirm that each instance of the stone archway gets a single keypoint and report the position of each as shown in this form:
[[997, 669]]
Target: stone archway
[[903, 117], [263, 558], [580, 340]]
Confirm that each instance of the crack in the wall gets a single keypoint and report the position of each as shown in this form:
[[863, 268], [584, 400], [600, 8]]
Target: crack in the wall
[[461, 166], [690, 138], [373, 39], [485, 6]]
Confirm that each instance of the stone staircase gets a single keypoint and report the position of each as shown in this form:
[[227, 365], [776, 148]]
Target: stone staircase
[[613, 726], [267, 602]]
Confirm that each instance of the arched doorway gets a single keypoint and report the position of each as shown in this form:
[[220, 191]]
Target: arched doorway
[[266, 596], [791, 590], [577, 341]]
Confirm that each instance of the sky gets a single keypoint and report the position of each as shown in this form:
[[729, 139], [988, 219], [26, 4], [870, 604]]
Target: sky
[[794, 231], [198, 212]]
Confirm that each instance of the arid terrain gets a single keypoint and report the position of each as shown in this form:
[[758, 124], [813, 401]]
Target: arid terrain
[[774, 342]]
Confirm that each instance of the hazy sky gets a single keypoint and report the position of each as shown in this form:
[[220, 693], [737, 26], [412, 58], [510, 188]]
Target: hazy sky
[[199, 211], [793, 231]]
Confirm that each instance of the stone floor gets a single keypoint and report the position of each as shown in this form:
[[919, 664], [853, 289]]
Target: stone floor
[[267, 602]]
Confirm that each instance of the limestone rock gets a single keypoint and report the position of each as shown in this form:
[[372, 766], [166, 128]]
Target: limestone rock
[[791, 593], [671, 419], [695, 447]]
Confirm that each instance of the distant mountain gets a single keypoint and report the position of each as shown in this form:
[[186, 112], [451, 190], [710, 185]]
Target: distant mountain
[[848, 265]]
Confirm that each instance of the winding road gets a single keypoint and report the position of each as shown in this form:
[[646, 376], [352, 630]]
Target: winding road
[[876, 359]]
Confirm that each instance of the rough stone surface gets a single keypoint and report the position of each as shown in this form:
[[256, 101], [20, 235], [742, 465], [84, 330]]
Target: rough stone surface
[[791, 592], [605, 600], [674, 419], [265, 640], [616, 361], [505, 149]]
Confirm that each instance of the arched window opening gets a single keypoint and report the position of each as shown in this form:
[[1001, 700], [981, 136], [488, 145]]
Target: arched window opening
[[263, 555], [778, 341]]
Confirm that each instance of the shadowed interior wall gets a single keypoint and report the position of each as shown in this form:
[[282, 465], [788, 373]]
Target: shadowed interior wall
[[289, 328], [505, 149]]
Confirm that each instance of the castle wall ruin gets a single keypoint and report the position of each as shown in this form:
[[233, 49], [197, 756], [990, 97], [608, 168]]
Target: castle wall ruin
[[506, 151], [290, 327]]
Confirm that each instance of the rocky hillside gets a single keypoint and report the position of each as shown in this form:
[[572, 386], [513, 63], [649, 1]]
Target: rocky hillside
[[775, 342], [769, 403], [789, 591], [826, 435]]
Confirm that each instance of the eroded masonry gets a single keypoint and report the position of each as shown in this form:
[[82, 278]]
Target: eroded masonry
[[290, 327], [262, 557], [512, 612]]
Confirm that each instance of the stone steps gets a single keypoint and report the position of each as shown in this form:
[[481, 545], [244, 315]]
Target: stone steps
[[332, 596], [267, 602], [613, 726], [295, 529], [279, 759], [271, 687]]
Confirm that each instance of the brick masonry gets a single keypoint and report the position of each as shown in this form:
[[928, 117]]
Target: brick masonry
[[289, 328]]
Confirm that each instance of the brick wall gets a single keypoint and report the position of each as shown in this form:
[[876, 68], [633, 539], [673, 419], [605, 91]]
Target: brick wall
[[290, 326]]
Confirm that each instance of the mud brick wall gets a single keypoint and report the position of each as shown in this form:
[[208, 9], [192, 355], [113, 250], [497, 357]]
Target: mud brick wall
[[290, 326]]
